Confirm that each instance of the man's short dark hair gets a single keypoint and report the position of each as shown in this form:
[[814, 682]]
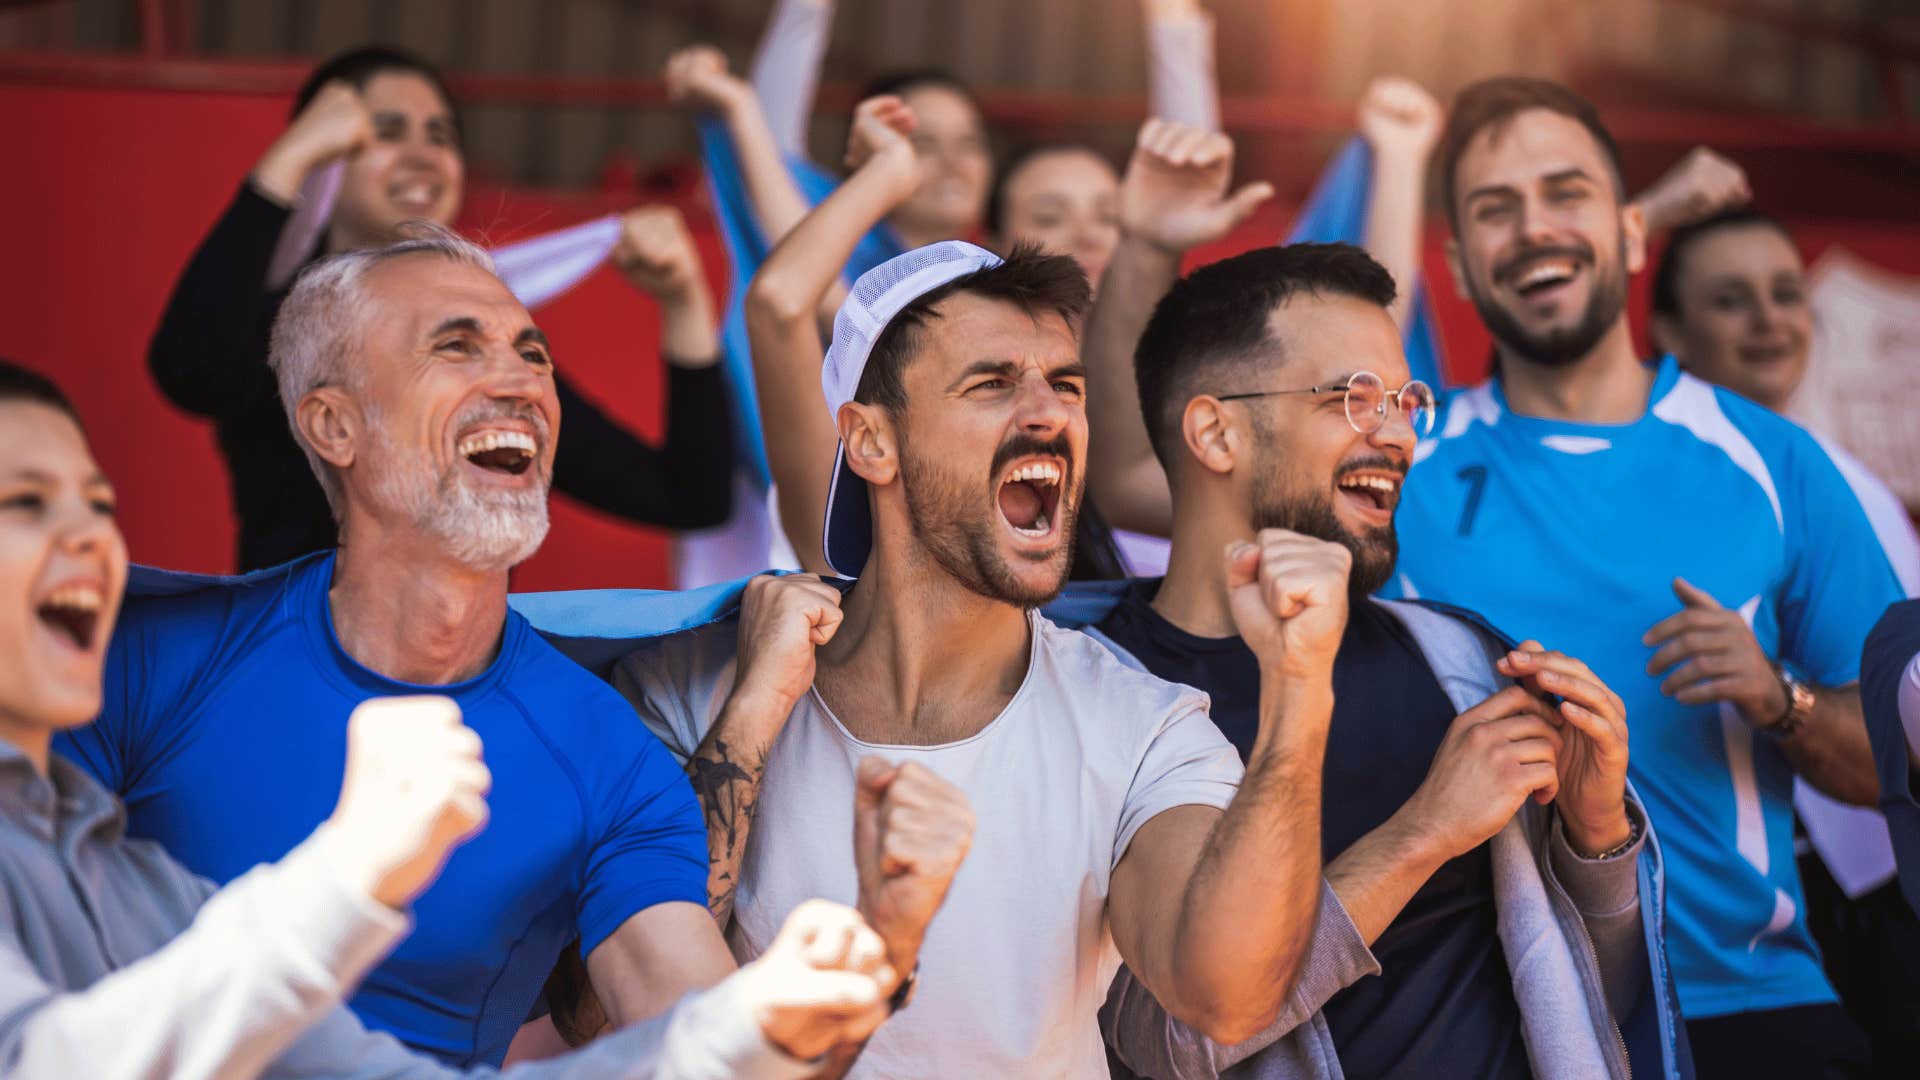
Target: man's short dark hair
[[1666, 279], [1493, 103], [19, 383], [1217, 318], [358, 66], [1034, 282]]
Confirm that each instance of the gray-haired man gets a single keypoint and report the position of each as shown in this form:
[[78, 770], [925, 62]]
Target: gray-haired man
[[422, 392]]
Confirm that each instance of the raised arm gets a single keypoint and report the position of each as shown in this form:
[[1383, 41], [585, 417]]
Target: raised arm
[[687, 481], [786, 67], [1699, 185], [1173, 198], [781, 308], [1181, 84], [698, 77], [1213, 910], [1400, 121], [209, 353]]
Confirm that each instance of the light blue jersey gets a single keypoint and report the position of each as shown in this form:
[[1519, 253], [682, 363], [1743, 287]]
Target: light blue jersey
[[1572, 534]]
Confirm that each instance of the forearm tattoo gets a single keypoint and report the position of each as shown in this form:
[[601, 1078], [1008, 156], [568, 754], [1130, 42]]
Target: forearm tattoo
[[729, 793]]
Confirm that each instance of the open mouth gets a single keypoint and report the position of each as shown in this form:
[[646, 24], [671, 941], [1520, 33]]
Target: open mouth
[[72, 612], [1537, 277], [509, 452], [1029, 497], [1374, 494], [415, 196]]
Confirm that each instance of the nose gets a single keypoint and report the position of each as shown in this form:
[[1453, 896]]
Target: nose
[[84, 530], [1536, 223], [1395, 431], [511, 377], [1041, 410]]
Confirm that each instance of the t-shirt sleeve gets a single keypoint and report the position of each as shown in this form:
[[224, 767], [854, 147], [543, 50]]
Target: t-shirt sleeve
[[141, 681], [1187, 762], [1838, 581], [654, 679], [650, 844]]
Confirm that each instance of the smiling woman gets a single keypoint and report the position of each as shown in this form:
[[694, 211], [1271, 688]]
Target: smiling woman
[[63, 565]]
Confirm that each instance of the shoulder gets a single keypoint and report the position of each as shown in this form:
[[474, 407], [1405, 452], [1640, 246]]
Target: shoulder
[[1107, 677], [1464, 416], [170, 619]]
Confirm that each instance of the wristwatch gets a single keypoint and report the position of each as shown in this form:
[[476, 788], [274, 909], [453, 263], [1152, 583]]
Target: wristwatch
[[1799, 705]]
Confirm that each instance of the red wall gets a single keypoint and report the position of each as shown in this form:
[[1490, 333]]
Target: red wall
[[106, 192]]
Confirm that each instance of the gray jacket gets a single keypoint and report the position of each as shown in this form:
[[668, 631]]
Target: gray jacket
[[1572, 930], [117, 962]]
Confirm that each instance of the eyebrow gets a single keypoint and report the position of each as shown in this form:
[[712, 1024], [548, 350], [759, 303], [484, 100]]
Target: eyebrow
[[1572, 172], [32, 475], [533, 335], [465, 324], [1072, 369]]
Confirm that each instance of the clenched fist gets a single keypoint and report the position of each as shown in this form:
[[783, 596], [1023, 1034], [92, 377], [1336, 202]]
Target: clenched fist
[[335, 123], [698, 76], [415, 789], [911, 830], [1400, 118], [783, 619], [824, 982], [656, 254], [1288, 594], [1699, 186], [881, 132]]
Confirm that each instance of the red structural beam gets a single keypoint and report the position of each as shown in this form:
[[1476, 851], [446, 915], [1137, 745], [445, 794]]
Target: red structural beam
[[1263, 115]]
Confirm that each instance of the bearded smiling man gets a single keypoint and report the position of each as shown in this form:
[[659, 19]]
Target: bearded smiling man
[[423, 396], [1702, 554], [1108, 824]]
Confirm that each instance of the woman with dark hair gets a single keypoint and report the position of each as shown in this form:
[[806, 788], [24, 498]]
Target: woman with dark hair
[[388, 121]]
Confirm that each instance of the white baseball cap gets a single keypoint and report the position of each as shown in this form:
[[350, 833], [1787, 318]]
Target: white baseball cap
[[880, 294]]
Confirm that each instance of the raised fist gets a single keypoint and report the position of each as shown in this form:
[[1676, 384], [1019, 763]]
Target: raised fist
[[415, 789], [1700, 186], [1174, 195], [824, 981], [1494, 757], [881, 129], [783, 619], [335, 123], [1398, 116], [698, 76], [1288, 595], [656, 254], [911, 831]]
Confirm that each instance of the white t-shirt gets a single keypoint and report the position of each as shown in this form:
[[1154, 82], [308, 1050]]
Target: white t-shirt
[[1017, 963]]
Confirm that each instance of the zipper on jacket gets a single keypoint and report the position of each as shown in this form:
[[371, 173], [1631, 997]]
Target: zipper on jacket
[[1593, 964]]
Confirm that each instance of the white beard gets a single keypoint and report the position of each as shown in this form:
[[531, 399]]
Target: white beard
[[483, 530]]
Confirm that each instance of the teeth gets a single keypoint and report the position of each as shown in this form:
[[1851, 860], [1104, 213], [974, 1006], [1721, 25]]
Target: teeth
[[1039, 472], [1546, 271], [76, 598], [1040, 527], [484, 441], [1377, 483]]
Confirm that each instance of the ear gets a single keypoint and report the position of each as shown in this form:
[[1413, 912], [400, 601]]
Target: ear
[[330, 423], [1211, 435], [869, 434], [1633, 236], [1456, 270]]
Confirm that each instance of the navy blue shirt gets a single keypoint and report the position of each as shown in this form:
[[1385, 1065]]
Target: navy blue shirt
[[1443, 1002], [224, 730]]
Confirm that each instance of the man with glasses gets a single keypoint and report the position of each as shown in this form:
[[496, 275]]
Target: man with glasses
[[1277, 397], [1702, 553]]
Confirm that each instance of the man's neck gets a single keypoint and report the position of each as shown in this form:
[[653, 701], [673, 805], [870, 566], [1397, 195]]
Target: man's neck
[[1193, 595], [403, 610], [1609, 385], [919, 658]]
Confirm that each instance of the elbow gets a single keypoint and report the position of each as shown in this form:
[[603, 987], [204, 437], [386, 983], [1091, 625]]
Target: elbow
[[773, 301], [1230, 1022]]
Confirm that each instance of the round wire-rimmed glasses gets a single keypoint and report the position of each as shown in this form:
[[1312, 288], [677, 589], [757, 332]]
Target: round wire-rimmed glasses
[[1366, 398]]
